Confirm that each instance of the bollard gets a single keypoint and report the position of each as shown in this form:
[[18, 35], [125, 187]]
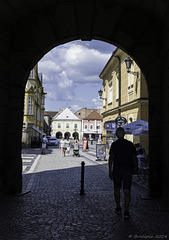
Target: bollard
[[82, 178]]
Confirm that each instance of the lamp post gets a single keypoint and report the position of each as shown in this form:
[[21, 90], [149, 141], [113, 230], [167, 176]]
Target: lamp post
[[100, 94], [75, 129], [128, 62]]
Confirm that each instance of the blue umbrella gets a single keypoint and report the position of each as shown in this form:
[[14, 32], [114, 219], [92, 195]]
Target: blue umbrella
[[138, 127]]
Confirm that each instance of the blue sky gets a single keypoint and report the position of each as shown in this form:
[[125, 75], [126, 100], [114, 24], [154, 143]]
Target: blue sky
[[71, 74]]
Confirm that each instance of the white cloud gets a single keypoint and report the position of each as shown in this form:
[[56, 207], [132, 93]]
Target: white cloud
[[64, 82], [50, 65], [75, 108], [97, 103], [71, 65]]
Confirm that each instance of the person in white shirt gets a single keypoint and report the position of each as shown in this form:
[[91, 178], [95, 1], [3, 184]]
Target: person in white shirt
[[67, 146], [62, 146]]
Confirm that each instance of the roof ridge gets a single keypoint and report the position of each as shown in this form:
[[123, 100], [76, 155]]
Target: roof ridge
[[94, 115]]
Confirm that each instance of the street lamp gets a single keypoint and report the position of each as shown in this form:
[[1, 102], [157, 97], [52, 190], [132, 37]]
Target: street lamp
[[75, 133], [100, 94], [128, 62]]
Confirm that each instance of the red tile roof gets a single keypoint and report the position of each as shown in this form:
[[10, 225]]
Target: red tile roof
[[50, 113], [94, 116]]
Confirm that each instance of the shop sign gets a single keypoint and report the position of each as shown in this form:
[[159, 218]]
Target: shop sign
[[110, 125], [120, 121], [100, 151], [84, 147]]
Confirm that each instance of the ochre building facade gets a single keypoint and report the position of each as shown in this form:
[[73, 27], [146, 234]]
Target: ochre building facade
[[34, 106], [125, 94]]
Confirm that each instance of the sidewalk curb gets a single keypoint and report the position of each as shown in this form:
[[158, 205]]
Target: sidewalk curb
[[33, 165], [32, 177]]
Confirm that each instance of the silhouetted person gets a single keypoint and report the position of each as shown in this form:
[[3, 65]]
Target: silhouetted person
[[123, 159]]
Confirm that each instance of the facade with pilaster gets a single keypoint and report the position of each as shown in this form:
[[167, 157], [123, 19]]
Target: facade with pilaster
[[34, 106], [124, 94]]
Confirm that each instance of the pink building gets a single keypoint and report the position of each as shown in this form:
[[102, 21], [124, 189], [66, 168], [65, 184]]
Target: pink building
[[92, 125]]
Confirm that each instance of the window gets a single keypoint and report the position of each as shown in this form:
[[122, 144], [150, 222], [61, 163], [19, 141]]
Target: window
[[104, 96], [98, 126], [67, 125], [24, 106], [43, 101], [110, 93], [42, 116], [91, 126], [40, 76], [31, 74], [75, 126], [130, 118], [131, 80], [38, 114], [85, 126], [30, 105], [35, 113], [117, 86], [59, 125]]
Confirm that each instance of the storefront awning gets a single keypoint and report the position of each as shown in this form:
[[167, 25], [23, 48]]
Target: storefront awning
[[138, 127], [38, 130]]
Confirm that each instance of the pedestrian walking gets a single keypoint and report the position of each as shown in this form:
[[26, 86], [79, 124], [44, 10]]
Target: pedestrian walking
[[44, 144], [76, 148], [62, 146], [67, 146], [122, 157], [141, 155]]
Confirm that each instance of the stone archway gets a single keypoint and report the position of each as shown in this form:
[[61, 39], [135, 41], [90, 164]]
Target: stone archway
[[59, 135], [67, 135], [30, 29], [75, 135]]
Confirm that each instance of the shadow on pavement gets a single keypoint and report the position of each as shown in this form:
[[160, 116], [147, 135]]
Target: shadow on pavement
[[54, 209]]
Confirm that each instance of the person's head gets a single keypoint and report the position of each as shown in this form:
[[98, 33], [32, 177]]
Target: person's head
[[120, 133]]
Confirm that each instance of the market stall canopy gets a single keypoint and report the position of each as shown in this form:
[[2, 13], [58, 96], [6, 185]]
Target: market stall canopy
[[138, 127], [38, 130]]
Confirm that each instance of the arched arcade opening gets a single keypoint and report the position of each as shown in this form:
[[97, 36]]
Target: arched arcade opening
[[67, 135], [75, 135], [59, 135]]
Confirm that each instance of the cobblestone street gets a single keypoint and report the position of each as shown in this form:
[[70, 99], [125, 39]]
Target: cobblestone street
[[52, 208]]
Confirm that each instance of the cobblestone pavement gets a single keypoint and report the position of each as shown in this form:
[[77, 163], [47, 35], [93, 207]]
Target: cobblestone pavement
[[51, 206]]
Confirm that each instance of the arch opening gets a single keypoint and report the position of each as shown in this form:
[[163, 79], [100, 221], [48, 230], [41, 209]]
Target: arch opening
[[141, 41]]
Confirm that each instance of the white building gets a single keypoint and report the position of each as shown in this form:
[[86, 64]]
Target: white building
[[66, 124]]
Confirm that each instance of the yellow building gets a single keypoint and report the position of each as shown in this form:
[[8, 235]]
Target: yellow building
[[34, 106], [125, 94]]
